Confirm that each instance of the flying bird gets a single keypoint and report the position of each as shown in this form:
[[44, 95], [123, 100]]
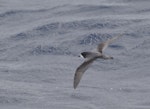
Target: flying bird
[[90, 57]]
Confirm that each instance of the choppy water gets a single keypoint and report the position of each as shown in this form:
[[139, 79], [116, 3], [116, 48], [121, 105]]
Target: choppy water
[[39, 46]]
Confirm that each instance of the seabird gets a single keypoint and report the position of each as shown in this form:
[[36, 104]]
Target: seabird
[[90, 57]]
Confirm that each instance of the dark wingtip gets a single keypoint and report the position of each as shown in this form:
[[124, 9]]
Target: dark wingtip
[[74, 83], [74, 86]]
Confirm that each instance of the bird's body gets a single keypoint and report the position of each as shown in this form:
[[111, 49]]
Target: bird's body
[[89, 59]]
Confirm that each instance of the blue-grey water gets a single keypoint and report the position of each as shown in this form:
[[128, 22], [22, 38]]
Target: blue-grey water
[[40, 41]]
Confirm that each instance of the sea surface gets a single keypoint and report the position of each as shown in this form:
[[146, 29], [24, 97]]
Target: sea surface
[[40, 41]]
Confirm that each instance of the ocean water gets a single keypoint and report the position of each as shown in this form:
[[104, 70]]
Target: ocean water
[[39, 46]]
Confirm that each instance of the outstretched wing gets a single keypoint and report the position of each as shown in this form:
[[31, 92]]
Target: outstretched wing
[[80, 71], [102, 46]]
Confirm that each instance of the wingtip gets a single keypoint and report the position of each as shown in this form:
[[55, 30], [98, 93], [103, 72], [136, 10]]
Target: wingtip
[[74, 86], [75, 83]]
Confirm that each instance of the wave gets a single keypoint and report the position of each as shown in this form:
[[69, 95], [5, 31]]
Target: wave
[[44, 50], [11, 100], [61, 28], [84, 9], [20, 12], [92, 39]]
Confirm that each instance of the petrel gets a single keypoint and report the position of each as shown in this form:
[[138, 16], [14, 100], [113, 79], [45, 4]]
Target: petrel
[[90, 56]]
